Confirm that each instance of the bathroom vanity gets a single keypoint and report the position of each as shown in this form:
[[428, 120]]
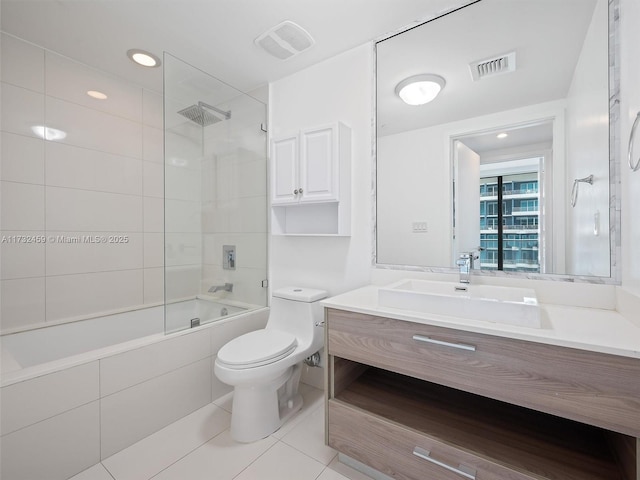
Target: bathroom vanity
[[426, 397]]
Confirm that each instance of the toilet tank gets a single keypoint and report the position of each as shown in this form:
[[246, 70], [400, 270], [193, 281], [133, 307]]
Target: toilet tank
[[297, 310]]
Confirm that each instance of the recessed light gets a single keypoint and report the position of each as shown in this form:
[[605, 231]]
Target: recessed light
[[144, 58], [420, 89], [97, 95], [502, 135]]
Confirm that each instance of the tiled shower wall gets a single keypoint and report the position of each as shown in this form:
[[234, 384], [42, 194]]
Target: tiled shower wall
[[105, 178]]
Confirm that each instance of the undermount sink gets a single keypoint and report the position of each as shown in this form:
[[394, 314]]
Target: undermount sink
[[506, 305]]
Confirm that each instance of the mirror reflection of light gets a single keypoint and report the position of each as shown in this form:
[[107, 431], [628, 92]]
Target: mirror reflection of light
[[48, 133], [420, 89]]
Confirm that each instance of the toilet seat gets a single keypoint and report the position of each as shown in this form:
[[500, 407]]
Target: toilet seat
[[257, 348]]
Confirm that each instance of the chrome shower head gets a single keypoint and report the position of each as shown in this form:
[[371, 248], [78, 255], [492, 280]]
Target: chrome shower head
[[204, 114]]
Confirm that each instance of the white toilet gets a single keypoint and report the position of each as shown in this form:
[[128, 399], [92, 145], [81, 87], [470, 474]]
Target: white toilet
[[264, 366]]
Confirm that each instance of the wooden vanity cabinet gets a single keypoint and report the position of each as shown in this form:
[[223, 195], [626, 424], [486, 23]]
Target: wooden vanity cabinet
[[420, 402]]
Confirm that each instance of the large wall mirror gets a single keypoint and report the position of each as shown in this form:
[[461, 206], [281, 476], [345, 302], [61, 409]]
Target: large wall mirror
[[512, 158]]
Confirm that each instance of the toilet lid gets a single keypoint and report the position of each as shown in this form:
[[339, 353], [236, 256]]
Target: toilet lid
[[257, 348]]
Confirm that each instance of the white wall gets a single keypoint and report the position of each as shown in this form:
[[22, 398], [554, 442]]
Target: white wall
[[629, 107], [339, 89], [104, 178], [588, 152]]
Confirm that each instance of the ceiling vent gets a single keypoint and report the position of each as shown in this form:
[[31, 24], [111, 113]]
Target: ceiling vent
[[285, 40], [493, 66]]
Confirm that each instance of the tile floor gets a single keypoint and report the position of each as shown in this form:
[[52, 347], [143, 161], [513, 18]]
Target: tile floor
[[199, 447]]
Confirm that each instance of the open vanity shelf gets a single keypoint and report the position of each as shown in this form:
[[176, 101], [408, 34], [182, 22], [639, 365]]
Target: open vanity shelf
[[393, 416]]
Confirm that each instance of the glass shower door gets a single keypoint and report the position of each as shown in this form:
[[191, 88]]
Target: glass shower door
[[215, 222]]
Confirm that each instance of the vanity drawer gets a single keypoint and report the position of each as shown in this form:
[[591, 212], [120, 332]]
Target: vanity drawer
[[403, 453], [589, 387]]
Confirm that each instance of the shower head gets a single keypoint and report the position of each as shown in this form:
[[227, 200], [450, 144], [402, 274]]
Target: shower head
[[204, 114]]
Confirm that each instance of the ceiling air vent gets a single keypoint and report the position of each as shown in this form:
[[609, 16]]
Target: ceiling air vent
[[285, 40], [493, 66]]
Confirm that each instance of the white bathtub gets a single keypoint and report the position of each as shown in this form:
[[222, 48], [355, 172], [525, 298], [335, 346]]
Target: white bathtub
[[79, 392], [64, 341]]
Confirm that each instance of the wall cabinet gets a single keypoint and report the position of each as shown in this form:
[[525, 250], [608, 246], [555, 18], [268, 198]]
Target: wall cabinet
[[311, 181], [504, 409]]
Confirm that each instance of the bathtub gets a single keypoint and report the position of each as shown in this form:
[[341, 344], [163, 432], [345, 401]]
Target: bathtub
[[80, 392], [71, 341]]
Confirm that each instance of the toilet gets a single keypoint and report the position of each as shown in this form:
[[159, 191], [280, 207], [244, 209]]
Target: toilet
[[264, 366]]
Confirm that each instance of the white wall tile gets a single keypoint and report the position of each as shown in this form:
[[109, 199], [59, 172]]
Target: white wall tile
[[153, 285], [22, 64], [83, 210], [70, 80], [183, 249], [251, 249], [76, 167], [250, 216], [136, 366], [77, 295], [153, 214], [53, 449], [182, 281], [247, 286], [124, 253], [182, 183], [134, 413], [22, 109], [153, 144], [34, 400], [93, 129], [182, 216], [23, 302], [22, 159], [152, 109], [153, 179], [153, 250], [22, 259], [22, 206]]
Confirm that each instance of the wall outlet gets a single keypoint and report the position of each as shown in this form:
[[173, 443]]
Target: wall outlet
[[420, 227]]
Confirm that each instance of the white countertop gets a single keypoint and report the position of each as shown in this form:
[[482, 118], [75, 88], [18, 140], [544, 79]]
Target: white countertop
[[597, 330]]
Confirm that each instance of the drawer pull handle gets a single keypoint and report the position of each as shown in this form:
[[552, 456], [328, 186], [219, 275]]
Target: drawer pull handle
[[426, 455], [461, 346]]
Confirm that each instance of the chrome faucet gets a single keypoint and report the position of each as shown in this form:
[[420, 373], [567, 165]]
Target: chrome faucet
[[227, 287], [465, 264]]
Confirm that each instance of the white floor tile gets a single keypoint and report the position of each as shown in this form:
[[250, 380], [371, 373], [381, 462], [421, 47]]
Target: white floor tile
[[312, 398], [282, 462], [221, 459], [97, 472], [308, 437], [158, 451], [329, 474], [225, 402]]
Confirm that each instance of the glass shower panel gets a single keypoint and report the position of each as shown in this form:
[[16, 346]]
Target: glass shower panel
[[215, 199]]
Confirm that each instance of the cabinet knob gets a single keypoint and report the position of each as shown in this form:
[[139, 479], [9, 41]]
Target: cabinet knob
[[300, 191], [295, 192]]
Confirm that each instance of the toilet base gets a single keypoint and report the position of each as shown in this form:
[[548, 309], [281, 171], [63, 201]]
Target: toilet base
[[260, 410]]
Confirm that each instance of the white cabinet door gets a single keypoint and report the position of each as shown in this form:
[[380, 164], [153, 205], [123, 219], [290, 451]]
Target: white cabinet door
[[319, 168], [284, 171]]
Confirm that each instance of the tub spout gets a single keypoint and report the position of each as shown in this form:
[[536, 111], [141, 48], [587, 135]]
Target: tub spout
[[227, 287]]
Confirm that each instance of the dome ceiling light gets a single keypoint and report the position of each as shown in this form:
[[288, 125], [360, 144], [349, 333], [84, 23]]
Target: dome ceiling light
[[420, 89]]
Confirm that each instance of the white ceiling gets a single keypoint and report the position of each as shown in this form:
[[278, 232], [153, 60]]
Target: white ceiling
[[214, 35]]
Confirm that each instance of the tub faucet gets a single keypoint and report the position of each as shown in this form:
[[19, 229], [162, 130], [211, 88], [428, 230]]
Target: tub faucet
[[227, 287], [465, 264]]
